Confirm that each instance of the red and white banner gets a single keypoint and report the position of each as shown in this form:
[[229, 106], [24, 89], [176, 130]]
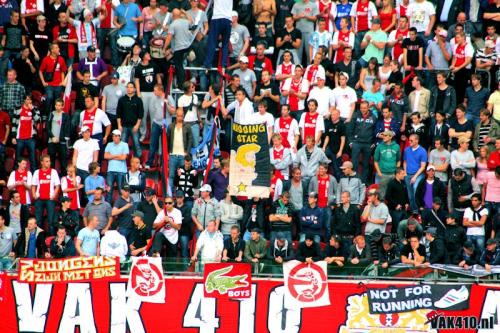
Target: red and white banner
[[227, 280], [307, 284], [102, 306], [3, 279], [69, 269], [146, 282]]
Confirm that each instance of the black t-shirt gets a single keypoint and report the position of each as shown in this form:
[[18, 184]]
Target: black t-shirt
[[140, 237], [124, 220], [334, 132], [82, 91], [41, 41], [492, 9], [440, 99], [187, 222], [408, 251], [13, 36], [149, 211], [272, 106], [24, 75], [467, 126], [233, 249], [352, 69], [147, 76], [268, 40], [294, 34], [329, 67], [412, 47]]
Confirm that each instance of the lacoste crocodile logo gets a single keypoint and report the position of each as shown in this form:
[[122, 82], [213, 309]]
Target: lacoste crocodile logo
[[217, 281]]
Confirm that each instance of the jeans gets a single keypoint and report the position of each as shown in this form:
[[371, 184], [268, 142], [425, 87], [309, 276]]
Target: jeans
[[302, 238], [146, 97], [102, 33], [126, 131], [336, 163], [154, 142], [146, 38], [287, 234], [58, 150], [411, 188], [359, 36], [218, 27], [99, 138], [178, 61], [478, 241], [195, 130], [304, 47], [82, 174], [52, 93], [397, 216], [382, 182], [5, 263], [247, 235], [112, 119], [475, 119], [50, 206], [111, 178], [174, 162], [184, 239], [365, 150], [30, 145]]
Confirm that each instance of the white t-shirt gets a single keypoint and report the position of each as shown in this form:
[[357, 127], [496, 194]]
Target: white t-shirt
[[85, 151], [222, 9], [211, 246], [469, 214], [323, 96], [243, 114], [184, 102], [264, 118], [419, 14], [175, 216], [342, 99]]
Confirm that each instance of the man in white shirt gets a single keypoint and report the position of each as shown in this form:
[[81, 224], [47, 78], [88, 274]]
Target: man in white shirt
[[474, 220], [209, 245], [422, 15], [243, 108], [168, 222], [344, 98], [85, 151], [322, 94]]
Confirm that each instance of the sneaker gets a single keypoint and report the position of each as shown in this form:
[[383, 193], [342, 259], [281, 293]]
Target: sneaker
[[452, 297]]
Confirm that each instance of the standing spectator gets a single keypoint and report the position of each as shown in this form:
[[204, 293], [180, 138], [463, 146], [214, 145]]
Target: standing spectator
[[486, 132], [111, 94], [413, 51], [127, 16], [116, 153], [186, 231], [420, 104], [20, 180], [256, 247], [362, 138], [351, 183], [64, 34], [83, 89], [186, 179], [335, 141], [342, 38], [373, 43], [348, 66], [296, 89], [396, 38], [94, 181], [308, 159], [422, 15], [438, 53], [491, 255], [415, 160], [305, 13], [146, 76], [150, 207], [129, 115], [71, 184], [12, 93], [240, 39], [88, 239], [182, 38], [268, 92], [220, 25], [259, 61], [439, 158], [288, 38], [344, 97], [476, 98], [62, 245], [386, 159], [168, 222], [16, 213], [429, 189], [122, 212], [205, 209], [96, 66], [210, 245], [362, 14], [85, 151], [311, 219], [461, 64], [8, 241], [24, 123], [59, 131], [346, 221], [95, 119], [31, 242], [281, 158], [136, 180], [474, 221], [140, 237], [320, 37], [67, 217], [375, 215], [462, 157], [443, 97], [45, 189], [396, 197], [311, 123], [52, 75], [219, 180], [460, 190], [491, 190], [180, 140], [281, 218], [288, 129], [231, 215], [247, 76], [100, 209], [14, 34], [189, 102]]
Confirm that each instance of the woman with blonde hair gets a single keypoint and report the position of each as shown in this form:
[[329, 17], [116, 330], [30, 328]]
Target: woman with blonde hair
[[482, 165]]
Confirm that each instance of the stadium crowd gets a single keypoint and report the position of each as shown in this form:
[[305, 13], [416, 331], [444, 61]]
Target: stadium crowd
[[383, 120]]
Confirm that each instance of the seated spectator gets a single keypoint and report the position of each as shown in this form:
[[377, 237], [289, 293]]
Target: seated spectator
[[309, 250], [409, 228], [429, 189], [413, 253], [88, 239], [7, 245], [114, 244], [140, 237], [62, 245], [359, 253], [437, 248], [234, 246], [467, 257], [230, 215], [68, 218], [388, 254], [490, 256], [462, 157], [335, 252], [281, 250], [281, 217], [455, 235], [256, 247], [209, 245]]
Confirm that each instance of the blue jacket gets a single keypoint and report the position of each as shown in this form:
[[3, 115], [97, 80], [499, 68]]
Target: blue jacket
[[395, 127], [311, 220]]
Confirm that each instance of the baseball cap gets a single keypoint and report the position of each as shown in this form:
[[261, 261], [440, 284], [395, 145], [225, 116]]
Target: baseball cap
[[313, 195], [234, 13], [431, 167], [280, 236], [376, 20], [138, 213], [244, 59], [491, 241], [91, 49], [84, 129], [126, 187], [347, 164], [443, 33], [64, 199], [115, 75], [431, 230], [116, 132], [206, 188], [437, 200], [179, 194], [451, 216], [489, 44]]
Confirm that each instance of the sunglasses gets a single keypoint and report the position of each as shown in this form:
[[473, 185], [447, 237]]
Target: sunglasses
[[168, 202]]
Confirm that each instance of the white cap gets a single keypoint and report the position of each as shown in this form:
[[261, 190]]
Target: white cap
[[345, 75], [320, 76], [443, 33], [116, 132], [489, 44], [84, 129], [206, 188], [244, 59], [431, 167], [234, 13]]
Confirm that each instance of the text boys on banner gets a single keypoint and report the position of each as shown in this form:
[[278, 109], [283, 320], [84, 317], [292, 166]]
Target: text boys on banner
[[227, 280]]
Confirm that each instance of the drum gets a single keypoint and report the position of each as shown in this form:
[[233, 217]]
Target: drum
[[156, 48], [125, 44]]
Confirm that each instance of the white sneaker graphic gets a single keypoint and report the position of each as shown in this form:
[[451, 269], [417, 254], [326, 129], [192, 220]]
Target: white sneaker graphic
[[452, 297]]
